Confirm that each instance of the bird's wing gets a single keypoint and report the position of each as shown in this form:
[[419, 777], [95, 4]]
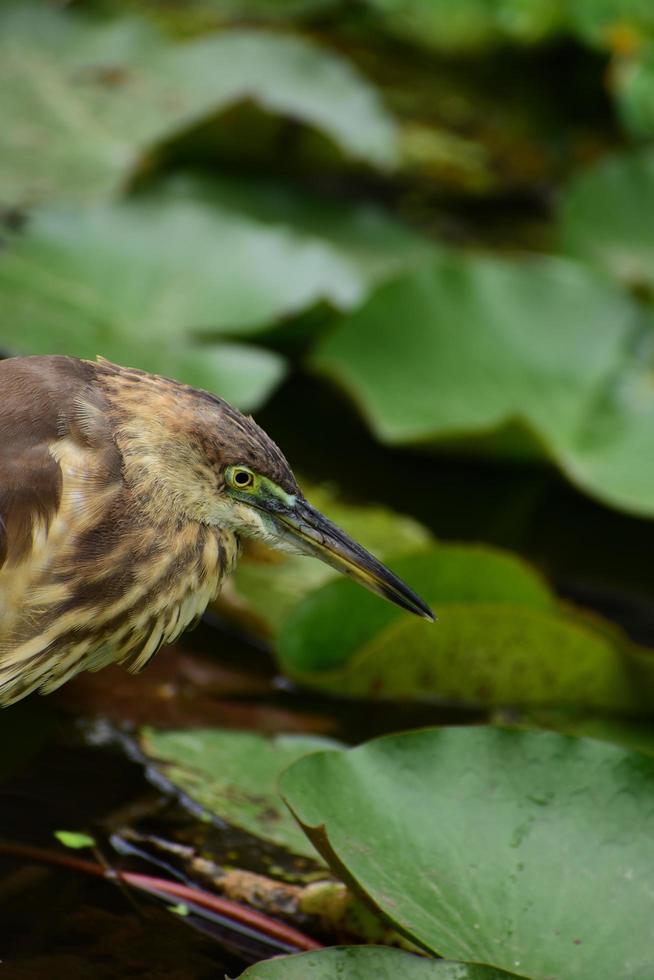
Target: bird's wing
[[30, 491], [36, 398], [60, 474]]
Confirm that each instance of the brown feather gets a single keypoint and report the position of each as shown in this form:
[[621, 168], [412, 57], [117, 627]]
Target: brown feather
[[33, 393]]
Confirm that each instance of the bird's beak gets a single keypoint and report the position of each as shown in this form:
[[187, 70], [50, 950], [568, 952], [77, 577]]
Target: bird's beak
[[315, 535]]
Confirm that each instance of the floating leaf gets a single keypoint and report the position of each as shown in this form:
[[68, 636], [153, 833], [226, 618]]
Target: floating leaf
[[352, 246], [83, 103], [182, 272], [500, 640], [336, 621], [613, 458], [483, 342], [530, 852], [233, 775], [364, 962], [604, 217], [489, 348], [181, 265], [635, 734], [190, 266]]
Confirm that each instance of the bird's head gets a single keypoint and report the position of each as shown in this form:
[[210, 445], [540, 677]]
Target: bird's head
[[259, 497], [219, 467], [259, 506]]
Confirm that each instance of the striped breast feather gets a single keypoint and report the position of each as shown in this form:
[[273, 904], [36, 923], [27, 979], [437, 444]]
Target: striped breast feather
[[146, 610]]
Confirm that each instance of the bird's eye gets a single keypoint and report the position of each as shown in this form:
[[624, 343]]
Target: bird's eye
[[241, 479]]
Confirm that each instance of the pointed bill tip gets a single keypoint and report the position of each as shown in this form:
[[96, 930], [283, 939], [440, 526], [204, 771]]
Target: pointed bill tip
[[397, 592], [323, 539]]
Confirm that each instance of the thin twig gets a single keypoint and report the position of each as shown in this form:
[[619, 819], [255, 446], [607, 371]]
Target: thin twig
[[263, 924]]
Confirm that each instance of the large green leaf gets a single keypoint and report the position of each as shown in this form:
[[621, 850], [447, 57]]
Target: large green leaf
[[141, 282], [233, 775], [190, 264], [489, 348], [635, 734], [604, 220], [364, 962], [336, 621], [82, 103], [482, 342], [346, 247], [267, 590], [530, 852], [500, 640], [604, 217]]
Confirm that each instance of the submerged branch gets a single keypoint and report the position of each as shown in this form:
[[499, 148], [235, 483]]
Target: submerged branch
[[263, 924]]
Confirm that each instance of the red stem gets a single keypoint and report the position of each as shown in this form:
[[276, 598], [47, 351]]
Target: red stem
[[267, 926]]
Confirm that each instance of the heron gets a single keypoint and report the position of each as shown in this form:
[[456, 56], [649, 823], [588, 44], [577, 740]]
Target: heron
[[124, 497]]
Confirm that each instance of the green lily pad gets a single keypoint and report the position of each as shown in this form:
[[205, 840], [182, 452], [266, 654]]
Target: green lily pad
[[183, 273], [344, 249], [364, 962], [545, 349], [336, 621], [269, 590], [635, 734], [191, 266], [604, 217], [516, 352], [233, 775], [83, 102], [530, 852], [182, 265], [500, 640]]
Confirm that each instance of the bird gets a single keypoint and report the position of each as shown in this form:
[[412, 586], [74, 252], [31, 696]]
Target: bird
[[124, 499]]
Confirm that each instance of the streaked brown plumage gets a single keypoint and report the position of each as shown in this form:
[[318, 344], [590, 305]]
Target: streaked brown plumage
[[120, 515]]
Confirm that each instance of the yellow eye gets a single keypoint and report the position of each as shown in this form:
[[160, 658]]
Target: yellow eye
[[241, 479]]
